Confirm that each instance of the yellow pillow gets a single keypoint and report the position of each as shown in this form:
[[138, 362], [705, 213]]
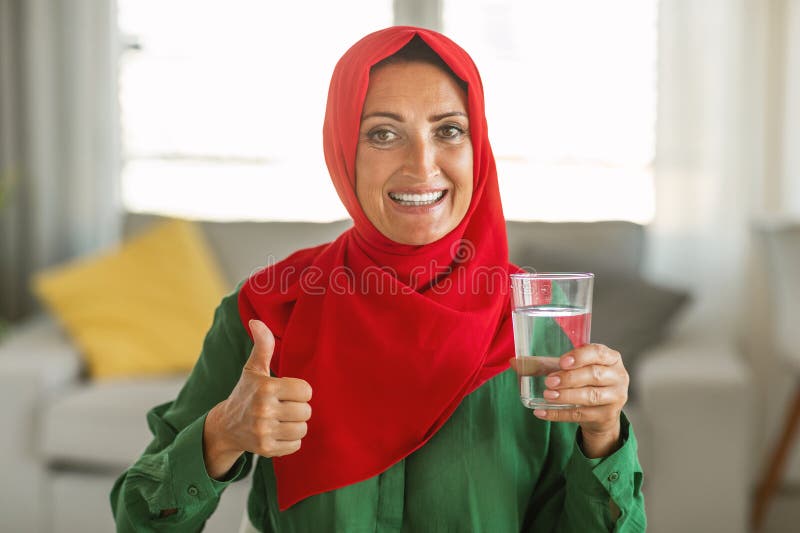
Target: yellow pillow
[[141, 309]]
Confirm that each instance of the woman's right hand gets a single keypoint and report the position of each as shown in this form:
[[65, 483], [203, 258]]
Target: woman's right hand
[[263, 415]]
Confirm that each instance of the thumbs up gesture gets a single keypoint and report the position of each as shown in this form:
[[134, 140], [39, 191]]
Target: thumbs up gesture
[[263, 414]]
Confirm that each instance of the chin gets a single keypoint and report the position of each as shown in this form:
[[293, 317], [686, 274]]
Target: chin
[[419, 237]]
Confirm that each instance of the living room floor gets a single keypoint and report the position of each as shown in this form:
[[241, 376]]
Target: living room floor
[[784, 513]]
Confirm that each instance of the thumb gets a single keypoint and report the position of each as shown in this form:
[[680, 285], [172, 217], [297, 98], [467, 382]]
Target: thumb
[[263, 346]]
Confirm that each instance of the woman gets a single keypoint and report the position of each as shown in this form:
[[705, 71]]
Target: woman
[[403, 341]]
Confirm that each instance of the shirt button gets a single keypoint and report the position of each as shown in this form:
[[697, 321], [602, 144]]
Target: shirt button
[[613, 476], [192, 490]]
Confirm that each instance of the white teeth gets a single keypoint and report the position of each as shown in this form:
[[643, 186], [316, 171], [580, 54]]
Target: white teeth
[[416, 199]]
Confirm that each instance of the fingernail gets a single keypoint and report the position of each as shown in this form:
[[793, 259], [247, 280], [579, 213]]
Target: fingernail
[[552, 381], [540, 413], [551, 394], [568, 361]]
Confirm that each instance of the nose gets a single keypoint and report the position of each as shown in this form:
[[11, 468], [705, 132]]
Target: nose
[[421, 159]]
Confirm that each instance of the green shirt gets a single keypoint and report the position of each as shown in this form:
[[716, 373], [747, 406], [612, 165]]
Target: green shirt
[[492, 467]]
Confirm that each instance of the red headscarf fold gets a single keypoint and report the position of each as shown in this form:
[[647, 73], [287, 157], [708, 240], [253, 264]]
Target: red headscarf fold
[[391, 337]]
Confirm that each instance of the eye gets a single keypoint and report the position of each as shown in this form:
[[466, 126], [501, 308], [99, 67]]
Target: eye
[[451, 132], [381, 136]]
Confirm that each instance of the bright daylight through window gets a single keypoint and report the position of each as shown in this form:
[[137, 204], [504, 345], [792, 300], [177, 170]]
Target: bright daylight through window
[[222, 110]]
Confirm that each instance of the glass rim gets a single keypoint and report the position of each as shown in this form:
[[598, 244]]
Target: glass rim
[[552, 275]]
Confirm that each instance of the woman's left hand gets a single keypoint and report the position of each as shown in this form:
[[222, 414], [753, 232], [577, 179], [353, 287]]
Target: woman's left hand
[[594, 378]]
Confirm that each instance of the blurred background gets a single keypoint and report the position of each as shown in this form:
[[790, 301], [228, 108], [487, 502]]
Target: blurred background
[[678, 119]]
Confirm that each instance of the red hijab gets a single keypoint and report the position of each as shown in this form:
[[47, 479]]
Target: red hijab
[[389, 353]]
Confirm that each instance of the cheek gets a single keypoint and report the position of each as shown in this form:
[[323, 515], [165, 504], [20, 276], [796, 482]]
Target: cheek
[[463, 180], [363, 175], [462, 202], [369, 185]]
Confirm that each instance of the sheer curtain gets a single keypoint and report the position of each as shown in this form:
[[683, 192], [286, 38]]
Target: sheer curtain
[[708, 155], [570, 101], [727, 154], [58, 138]]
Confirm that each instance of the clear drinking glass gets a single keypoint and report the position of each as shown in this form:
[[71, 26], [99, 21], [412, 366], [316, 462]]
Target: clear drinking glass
[[552, 314]]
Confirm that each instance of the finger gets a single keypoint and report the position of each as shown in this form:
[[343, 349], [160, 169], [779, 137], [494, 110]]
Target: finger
[[590, 354], [589, 396], [263, 346], [534, 366], [594, 375], [290, 431], [294, 390], [578, 415], [286, 447], [289, 411]]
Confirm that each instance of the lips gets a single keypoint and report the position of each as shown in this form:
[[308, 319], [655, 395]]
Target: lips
[[409, 199]]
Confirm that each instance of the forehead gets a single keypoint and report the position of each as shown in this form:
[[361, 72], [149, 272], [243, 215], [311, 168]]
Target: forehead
[[413, 84]]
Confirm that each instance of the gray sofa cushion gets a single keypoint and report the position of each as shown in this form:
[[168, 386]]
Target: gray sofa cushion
[[632, 315], [609, 249], [103, 424], [243, 247]]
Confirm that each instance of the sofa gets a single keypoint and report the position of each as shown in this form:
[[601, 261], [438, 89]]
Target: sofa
[[65, 438]]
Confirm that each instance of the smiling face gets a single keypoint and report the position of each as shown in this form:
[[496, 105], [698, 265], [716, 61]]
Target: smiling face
[[414, 157]]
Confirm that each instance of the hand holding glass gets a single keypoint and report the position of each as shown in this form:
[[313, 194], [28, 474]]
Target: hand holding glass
[[552, 314]]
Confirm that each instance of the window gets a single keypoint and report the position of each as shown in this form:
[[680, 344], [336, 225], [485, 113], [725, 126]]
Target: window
[[222, 104], [570, 100]]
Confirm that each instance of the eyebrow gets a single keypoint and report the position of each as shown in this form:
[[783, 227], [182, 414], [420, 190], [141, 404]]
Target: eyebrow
[[398, 118]]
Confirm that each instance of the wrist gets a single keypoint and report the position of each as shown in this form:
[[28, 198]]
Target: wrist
[[596, 444], [218, 454]]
